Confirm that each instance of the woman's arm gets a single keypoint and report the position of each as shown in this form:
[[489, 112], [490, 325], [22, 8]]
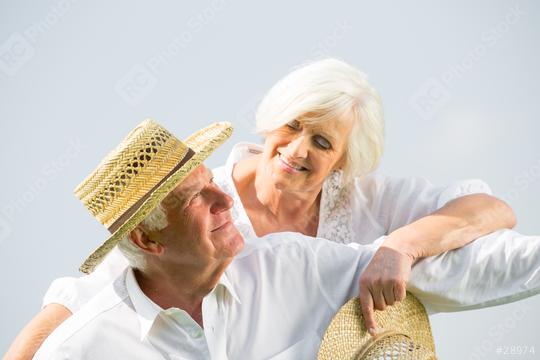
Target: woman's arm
[[36, 331], [65, 296], [454, 225]]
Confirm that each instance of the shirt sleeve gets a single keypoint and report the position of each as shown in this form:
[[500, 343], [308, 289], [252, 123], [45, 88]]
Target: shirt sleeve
[[396, 202], [74, 292], [339, 268], [498, 268]]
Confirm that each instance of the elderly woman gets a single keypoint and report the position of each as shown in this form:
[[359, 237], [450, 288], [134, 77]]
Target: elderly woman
[[323, 131]]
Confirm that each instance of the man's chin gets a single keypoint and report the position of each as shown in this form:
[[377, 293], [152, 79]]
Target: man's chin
[[233, 246], [239, 244]]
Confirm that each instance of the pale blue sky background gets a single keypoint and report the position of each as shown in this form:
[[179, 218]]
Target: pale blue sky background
[[459, 81]]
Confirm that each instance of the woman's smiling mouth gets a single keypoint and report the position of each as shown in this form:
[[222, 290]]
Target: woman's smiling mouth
[[288, 166]]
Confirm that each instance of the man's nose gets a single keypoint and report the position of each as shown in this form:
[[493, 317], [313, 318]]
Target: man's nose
[[222, 201], [298, 148]]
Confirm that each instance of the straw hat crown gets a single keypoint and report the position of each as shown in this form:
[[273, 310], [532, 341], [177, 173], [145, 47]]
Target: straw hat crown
[[147, 154]]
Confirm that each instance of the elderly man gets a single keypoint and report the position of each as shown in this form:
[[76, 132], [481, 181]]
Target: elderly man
[[190, 291]]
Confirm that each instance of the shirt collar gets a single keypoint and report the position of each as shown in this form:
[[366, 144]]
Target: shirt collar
[[145, 308], [241, 151], [227, 284], [147, 311]]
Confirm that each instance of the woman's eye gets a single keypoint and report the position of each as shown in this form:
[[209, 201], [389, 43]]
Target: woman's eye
[[322, 142], [295, 124]]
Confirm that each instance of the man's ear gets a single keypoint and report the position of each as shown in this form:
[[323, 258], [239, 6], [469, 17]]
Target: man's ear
[[140, 237]]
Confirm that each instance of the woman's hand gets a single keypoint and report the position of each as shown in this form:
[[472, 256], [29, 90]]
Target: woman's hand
[[456, 224], [384, 281]]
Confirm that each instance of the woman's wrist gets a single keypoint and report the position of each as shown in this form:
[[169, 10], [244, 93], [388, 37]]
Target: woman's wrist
[[404, 240]]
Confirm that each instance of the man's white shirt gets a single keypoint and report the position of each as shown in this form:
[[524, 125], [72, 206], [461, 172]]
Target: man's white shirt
[[274, 301], [277, 297]]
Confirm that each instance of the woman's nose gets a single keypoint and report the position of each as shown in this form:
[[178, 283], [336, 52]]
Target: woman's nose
[[298, 148]]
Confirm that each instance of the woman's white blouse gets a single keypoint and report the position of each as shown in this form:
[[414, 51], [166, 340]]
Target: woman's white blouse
[[366, 209], [361, 212]]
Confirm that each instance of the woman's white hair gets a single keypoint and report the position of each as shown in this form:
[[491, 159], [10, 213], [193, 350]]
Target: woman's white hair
[[155, 221], [330, 89]]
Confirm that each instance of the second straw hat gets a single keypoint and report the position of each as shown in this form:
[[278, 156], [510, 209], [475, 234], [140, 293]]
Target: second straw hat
[[404, 334]]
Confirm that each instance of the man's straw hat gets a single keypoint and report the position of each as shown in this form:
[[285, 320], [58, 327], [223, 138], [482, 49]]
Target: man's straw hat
[[135, 177], [404, 333]]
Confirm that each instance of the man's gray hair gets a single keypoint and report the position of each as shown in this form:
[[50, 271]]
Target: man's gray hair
[[155, 221]]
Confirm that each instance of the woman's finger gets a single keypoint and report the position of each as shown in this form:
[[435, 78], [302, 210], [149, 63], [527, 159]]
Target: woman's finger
[[388, 292], [378, 297], [400, 291], [366, 304]]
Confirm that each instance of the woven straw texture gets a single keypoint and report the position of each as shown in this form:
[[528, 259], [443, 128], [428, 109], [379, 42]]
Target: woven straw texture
[[138, 167], [404, 333], [142, 160]]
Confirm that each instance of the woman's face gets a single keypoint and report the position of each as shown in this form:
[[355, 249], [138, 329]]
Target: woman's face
[[298, 157]]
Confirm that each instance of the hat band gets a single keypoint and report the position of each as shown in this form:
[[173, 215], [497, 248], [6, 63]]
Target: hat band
[[133, 208]]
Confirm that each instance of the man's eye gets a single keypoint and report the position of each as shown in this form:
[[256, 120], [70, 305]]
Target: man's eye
[[295, 124], [322, 142]]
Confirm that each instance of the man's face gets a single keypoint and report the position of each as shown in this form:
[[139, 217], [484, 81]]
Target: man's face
[[200, 230]]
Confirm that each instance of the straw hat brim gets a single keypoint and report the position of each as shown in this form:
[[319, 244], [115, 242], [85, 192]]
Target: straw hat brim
[[404, 323], [203, 143]]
